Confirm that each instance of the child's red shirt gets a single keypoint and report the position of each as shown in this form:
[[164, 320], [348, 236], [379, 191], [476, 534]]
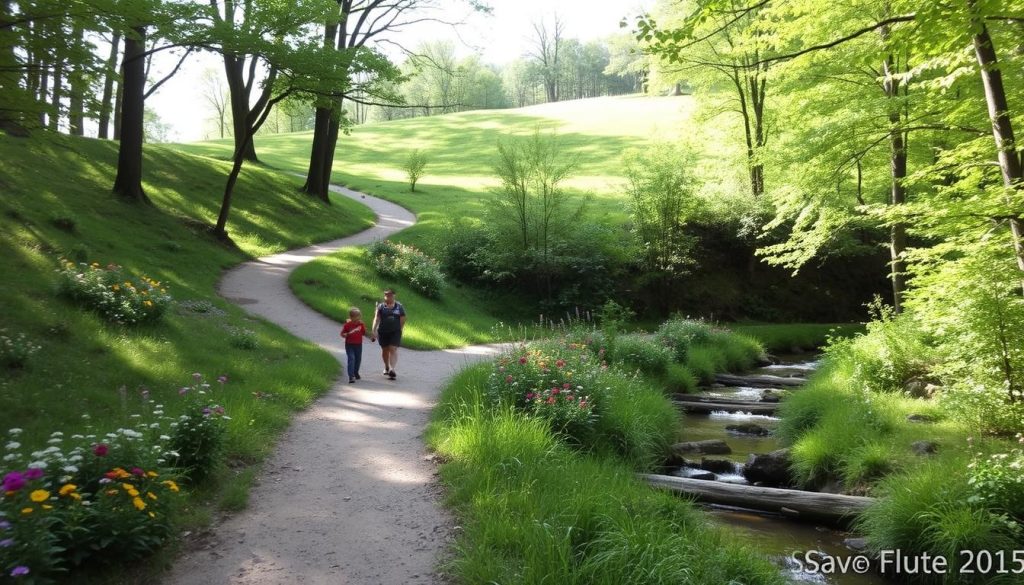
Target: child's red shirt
[[357, 329]]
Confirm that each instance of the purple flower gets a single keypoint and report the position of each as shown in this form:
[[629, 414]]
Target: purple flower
[[182, 391], [138, 471], [100, 450], [197, 376], [5, 525], [14, 481], [7, 543], [206, 412], [33, 473], [19, 571], [222, 379]]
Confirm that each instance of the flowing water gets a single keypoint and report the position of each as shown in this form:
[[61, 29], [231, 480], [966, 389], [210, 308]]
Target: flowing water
[[785, 541]]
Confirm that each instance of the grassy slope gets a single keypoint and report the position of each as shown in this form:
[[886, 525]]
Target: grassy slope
[[461, 148], [84, 361]]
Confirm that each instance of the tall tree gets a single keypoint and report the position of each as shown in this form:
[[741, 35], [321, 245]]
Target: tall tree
[[546, 51], [110, 71], [128, 183]]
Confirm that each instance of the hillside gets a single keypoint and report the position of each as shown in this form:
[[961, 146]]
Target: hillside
[[461, 149], [57, 204]]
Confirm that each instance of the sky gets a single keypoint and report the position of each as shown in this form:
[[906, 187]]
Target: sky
[[498, 38]]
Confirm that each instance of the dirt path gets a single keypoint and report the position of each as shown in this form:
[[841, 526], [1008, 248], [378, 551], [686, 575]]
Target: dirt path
[[348, 497]]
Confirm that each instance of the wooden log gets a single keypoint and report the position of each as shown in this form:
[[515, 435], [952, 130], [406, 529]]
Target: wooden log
[[759, 381], [834, 509], [765, 408], [702, 398]]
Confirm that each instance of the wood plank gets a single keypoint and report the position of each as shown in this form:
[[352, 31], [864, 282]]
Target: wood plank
[[835, 509], [763, 381]]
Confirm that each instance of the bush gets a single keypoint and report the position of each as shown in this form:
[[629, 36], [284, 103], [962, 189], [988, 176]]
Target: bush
[[997, 482], [679, 378], [982, 408], [461, 242], [115, 295], [639, 352], [680, 334], [405, 262], [243, 338], [414, 166], [15, 349]]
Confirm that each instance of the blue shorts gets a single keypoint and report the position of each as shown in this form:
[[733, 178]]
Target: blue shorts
[[390, 338]]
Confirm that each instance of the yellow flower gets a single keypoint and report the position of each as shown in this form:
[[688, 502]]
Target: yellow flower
[[147, 303], [47, 507], [27, 511], [116, 287], [171, 485], [152, 515], [127, 486], [95, 265], [151, 495], [68, 489], [76, 496], [152, 474], [139, 504], [39, 496], [133, 493]]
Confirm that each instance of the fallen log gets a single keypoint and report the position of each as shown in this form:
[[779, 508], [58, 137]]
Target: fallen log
[[835, 509], [766, 408], [702, 398], [763, 381]]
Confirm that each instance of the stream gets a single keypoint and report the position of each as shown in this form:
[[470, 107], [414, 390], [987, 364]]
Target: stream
[[778, 537]]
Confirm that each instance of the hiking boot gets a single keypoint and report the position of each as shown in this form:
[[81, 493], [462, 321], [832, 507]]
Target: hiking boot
[[351, 380], [358, 377], [392, 374]]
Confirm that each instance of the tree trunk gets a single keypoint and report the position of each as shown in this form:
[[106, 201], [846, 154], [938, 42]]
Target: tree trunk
[[11, 122], [78, 87], [238, 96], [1002, 126], [320, 160], [106, 101], [44, 90], [128, 183], [57, 90], [898, 174]]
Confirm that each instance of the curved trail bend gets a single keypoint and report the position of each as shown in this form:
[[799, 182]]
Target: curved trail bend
[[348, 496]]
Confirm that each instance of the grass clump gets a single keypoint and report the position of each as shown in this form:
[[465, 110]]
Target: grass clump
[[538, 509], [408, 264], [641, 353]]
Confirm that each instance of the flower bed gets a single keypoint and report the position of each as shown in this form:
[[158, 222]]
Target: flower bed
[[115, 295], [93, 497]]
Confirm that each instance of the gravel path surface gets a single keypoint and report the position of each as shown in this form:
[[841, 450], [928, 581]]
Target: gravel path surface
[[350, 495]]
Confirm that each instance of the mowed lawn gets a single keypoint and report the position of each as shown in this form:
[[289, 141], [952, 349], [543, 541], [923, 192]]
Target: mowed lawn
[[461, 150]]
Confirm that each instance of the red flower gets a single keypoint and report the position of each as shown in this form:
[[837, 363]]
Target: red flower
[[560, 363], [110, 475], [551, 400], [567, 385], [509, 379], [555, 390], [522, 360], [100, 450]]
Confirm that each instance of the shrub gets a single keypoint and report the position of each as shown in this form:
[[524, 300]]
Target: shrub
[[556, 381], [405, 262], [982, 408], [414, 165], [243, 338], [639, 352], [115, 295], [199, 436], [680, 334], [461, 242], [15, 349], [997, 482]]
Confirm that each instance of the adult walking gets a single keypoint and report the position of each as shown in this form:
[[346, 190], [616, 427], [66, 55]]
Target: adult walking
[[388, 321]]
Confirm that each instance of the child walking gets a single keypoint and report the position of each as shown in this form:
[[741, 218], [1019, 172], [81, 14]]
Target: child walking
[[353, 331]]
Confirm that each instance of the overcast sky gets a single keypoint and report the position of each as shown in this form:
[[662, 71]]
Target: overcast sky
[[498, 38]]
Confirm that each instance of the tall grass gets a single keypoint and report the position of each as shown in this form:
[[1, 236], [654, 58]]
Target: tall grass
[[535, 510], [786, 337]]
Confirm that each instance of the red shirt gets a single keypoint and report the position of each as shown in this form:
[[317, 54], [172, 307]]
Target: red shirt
[[357, 329]]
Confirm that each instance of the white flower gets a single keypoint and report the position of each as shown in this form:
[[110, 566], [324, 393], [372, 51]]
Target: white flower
[[154, 426], [56, 434], [14, 431], [55, 441], [165, 438], [11, 457], [77, 437], [65, 479], [37, 465], [75, 458], [158, 413], [70, 469], [136, 416], [50, 450], [105, 480], [13, 445]]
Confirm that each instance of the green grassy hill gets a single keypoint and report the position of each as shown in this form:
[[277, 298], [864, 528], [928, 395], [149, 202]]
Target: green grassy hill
[[461, 149], [57, 203]]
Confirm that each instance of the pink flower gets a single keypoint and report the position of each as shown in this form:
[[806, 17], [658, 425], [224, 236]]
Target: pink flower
[[33, 473], [522, 360], [530, 395], [568, 397], [14, 481], [100, 450], [555, 391], [567, 385], [560, 363], [551, 400], [138, 471], [509, 379]]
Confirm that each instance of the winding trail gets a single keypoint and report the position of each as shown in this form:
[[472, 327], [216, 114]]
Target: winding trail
[[349, 496]]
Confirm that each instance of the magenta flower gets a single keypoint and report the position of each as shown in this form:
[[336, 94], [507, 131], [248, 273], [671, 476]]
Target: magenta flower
[[101, 450], [522, 360], [14, 481], [33, 473], [19, 571], [138, 471], [530, 395], [222, 379]]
